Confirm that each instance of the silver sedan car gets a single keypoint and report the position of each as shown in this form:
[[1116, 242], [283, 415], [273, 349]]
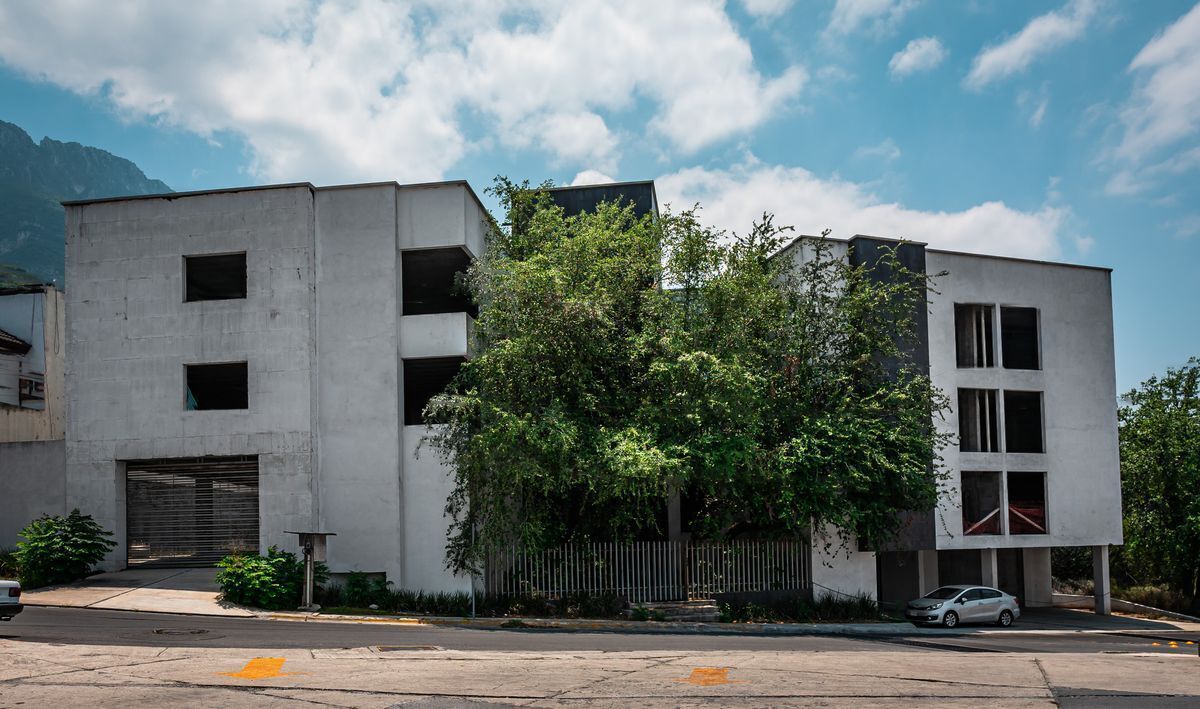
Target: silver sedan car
[[951, 605]]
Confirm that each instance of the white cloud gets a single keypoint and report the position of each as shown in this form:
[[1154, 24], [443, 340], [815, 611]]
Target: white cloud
[[918, 55], [1185, 227], [874, 17], [1165, 105], [1041, 36], [1034, 105], [368, 89], [767, 9], [734, 198], [591, 177], [886, 151]]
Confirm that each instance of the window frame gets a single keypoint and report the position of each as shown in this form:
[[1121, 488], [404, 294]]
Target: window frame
[[187, 388], [245, 275]]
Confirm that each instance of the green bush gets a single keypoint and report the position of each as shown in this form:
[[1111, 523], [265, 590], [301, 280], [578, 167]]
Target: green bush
[[828, 608], [272, 582], [362, 591], [58, 549], [8, 564]]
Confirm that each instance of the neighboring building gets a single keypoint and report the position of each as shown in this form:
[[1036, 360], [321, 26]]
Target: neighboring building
[[1024, 351], [32, 418]]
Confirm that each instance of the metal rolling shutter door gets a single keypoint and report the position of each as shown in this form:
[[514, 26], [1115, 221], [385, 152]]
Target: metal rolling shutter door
[[190, 511]]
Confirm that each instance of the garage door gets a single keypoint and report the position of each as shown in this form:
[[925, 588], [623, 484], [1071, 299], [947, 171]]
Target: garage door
[[190, 511]]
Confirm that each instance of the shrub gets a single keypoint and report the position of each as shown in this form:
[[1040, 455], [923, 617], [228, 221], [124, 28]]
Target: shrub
[[8, 564], [58, 549], [828, 608], [272, 582]]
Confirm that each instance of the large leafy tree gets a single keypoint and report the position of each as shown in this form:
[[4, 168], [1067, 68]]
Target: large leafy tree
[[1160, 479], [621, 358]]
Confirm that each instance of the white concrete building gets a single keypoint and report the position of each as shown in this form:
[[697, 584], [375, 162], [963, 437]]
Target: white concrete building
[[1024, 351], [246, 362]]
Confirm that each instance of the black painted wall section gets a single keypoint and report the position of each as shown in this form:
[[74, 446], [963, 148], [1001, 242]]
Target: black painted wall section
[[918, 531], [576, 200]]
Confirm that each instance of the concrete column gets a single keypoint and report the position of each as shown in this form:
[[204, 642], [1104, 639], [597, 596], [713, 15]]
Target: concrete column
[[988, 569], [1037, 577], [1100, 578], [927, 569]]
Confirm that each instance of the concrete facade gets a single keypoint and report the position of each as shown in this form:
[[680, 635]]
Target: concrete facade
[[323, 334]]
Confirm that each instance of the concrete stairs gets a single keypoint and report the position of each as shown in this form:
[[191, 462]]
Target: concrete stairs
[[699, 611]]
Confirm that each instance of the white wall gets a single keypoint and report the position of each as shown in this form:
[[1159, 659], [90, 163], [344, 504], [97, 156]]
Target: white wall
[[841, 568], [427, 483], [1077, 378]]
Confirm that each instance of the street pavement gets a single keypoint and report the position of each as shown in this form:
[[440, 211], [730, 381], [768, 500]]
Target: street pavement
[[70, 657]]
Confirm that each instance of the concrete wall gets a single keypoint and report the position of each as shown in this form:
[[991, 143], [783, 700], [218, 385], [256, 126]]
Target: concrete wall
[[31, 484], [49, 423], [427, 483], [841, 569], [358, 377], [1079, 394], [130, 334]]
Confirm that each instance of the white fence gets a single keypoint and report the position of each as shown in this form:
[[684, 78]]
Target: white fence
[[651, 571]]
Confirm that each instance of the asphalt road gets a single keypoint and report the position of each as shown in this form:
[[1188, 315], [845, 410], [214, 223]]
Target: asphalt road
[[69, 626]]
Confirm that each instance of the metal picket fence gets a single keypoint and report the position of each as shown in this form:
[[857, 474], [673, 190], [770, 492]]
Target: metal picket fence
[[651, 571]]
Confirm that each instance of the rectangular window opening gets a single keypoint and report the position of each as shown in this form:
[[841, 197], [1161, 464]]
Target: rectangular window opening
[[1019, 338], [432, 281], [217, 277], [423, 380], [977, 423], [1023, 422], [974, 335], [981, 502], [1026, 503], [217, 386]]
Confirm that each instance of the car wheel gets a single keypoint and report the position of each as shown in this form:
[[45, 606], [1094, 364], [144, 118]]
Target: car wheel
[[950, 619], [1006, 618]]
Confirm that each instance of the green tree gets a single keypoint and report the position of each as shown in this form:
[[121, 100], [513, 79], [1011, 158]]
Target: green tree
[[1160, 479], [623, 357]]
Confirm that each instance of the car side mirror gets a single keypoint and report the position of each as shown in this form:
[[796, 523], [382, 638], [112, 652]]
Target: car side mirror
[[961, 601]]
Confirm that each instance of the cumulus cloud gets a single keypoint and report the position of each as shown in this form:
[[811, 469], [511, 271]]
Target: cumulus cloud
[[886, 151], [732, 199], [918, 55], [767, 9], [368, 89], [874, 17], [1041, 36], [591, 177], [1165, 105]]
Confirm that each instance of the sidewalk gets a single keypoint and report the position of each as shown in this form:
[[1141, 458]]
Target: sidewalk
[[189, 591]]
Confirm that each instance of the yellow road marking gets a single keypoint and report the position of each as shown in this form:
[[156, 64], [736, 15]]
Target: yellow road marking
[[710, 676], [261, 668]]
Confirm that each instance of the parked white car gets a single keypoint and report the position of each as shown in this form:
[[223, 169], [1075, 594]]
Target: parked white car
[[951, 605], [10, 599]]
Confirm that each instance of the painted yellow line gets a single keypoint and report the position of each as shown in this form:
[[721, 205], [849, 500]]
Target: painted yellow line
[[261, 668]]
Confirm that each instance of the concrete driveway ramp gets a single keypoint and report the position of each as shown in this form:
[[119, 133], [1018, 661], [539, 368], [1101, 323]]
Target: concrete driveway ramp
[[191, 591]]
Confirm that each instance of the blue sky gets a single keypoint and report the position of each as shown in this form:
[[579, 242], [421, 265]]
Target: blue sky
[[1065, 130]]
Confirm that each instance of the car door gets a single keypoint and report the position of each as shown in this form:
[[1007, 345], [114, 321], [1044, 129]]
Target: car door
[[990, 604], [969, 608]]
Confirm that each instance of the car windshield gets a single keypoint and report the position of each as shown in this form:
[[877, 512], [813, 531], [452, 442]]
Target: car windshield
[[944, 593]]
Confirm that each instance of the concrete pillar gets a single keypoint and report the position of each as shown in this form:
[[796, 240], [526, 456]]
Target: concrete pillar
[[927, 570], [1036, 563], [988, 568], [1103, 589]]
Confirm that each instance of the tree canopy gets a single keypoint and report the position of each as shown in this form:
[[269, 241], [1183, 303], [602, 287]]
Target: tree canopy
[[1160, 479], [620, 358]]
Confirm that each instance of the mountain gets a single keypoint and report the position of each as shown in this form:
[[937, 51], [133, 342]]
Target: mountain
[[34, 178]]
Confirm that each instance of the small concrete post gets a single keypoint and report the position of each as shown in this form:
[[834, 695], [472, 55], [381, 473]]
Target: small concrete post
[[988, 568], [1103, 589]]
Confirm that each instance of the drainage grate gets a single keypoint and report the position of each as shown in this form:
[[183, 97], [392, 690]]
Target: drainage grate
[[406, 648]]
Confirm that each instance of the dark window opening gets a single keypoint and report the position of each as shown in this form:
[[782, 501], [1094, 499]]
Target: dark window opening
[[1019, 338], [973, 335], [1026, 503], [432, 281], [217, 386], [221, 277], [977, 424], [423, 380], [1023, 422], [981, 503]]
